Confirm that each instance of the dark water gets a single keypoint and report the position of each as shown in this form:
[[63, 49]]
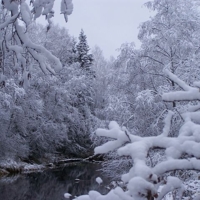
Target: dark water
[[52, 184]]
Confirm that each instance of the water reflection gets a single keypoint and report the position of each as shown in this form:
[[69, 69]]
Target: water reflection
[[52, 184]]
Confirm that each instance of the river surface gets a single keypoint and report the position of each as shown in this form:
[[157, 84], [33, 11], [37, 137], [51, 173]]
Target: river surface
[[52, 184]]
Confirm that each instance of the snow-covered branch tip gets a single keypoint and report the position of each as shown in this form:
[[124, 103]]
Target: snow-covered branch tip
[[167, 121], [45, 7], [189, 93], [114, 132]]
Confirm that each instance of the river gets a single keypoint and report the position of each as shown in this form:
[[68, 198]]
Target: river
[[76, 179]]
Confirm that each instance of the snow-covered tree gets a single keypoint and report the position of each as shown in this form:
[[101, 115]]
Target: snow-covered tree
[[84, 58], [166, 41], [101, 70], [170, 39]]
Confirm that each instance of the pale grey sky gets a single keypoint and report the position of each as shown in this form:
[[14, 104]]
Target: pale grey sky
[[107, 23]]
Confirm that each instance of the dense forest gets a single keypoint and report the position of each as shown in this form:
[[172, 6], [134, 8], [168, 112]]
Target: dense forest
[[58, 96]]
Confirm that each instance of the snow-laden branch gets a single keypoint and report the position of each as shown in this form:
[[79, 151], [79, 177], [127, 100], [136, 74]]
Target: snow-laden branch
[[142, 180], [114, 132], [66, 8], [139, 146], [194, 108], [8, 21], [45, 7], [40, 7], [173, 183], [137, 149], [39, 53], [19, 10], [189, 93], [178, 81], [167, 126], [176, 164]]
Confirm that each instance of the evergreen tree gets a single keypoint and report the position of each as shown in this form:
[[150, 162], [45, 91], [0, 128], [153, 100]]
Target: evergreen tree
[[84, 58]]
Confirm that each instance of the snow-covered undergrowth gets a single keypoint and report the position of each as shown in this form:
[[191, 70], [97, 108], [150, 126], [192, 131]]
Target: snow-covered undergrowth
[[151, 182]]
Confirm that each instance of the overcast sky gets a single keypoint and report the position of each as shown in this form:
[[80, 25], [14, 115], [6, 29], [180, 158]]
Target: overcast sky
[[107, 23]]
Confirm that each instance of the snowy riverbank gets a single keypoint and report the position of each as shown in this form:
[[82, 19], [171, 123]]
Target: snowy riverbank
[[12, 167]]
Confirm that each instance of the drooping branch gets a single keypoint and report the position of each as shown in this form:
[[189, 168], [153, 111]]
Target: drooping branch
[[46, 60]]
